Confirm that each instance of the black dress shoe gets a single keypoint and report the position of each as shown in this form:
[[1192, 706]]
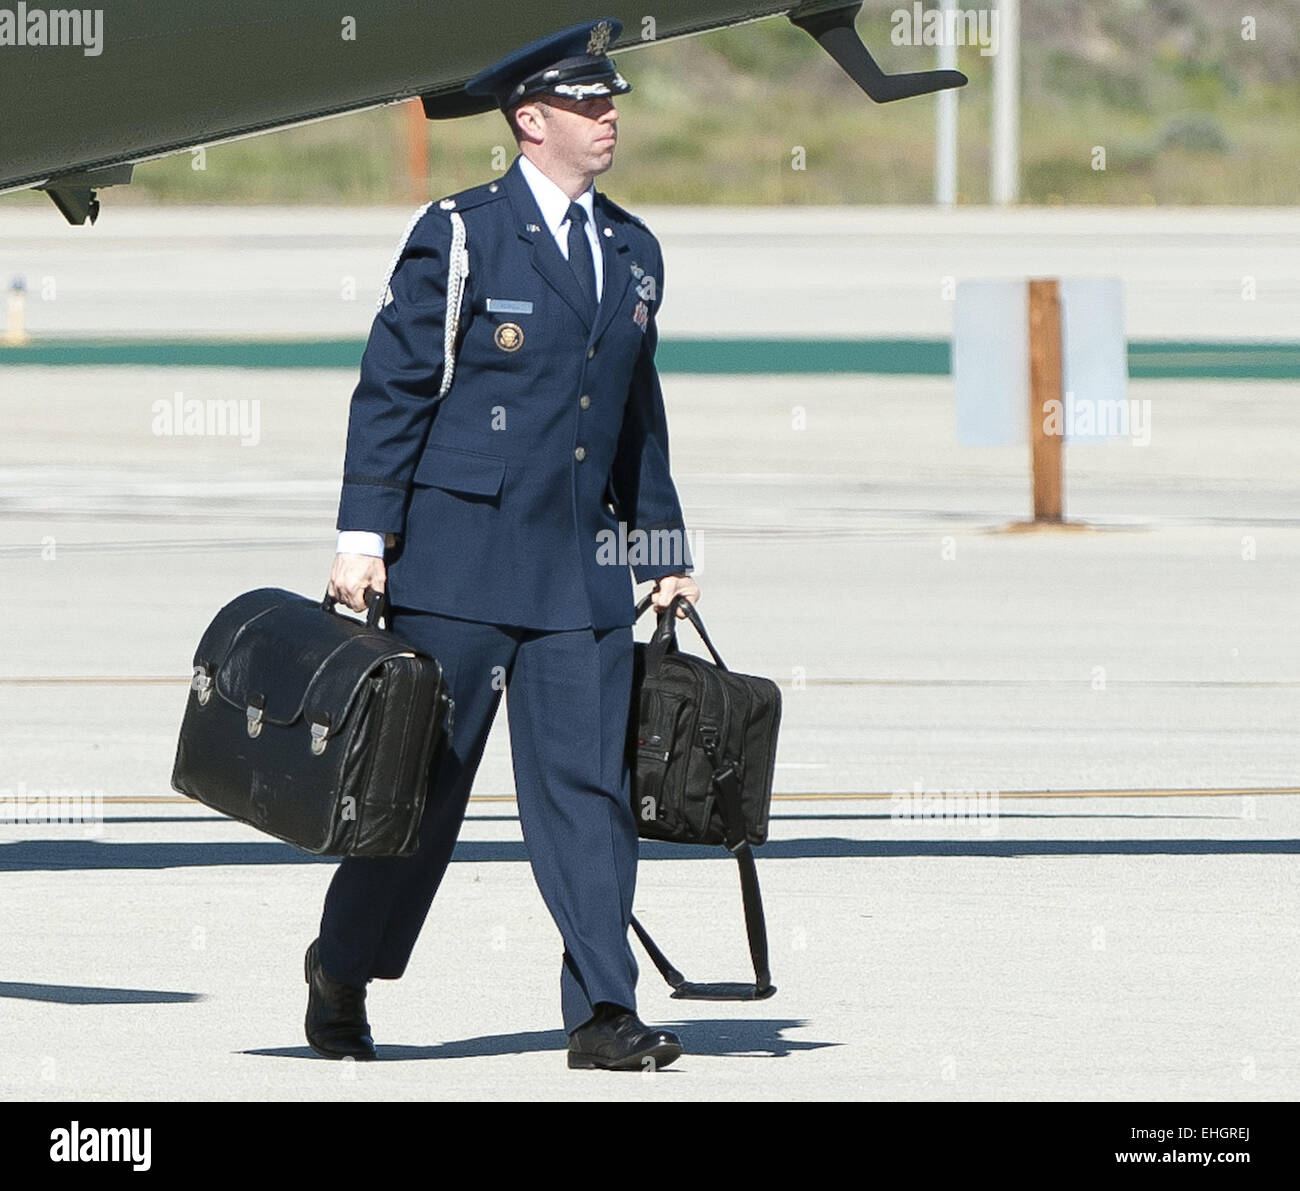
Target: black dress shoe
[[336, 1014], [618, 1040]]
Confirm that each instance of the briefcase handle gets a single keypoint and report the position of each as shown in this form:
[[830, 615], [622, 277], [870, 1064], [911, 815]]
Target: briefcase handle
[[376, 605], [665, 635]]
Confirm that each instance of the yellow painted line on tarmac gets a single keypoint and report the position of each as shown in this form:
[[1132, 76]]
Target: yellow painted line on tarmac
[[180, 798], [1225, 792], [148, 798]]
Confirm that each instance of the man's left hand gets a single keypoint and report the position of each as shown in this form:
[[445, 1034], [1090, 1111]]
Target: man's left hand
[[669, 588]]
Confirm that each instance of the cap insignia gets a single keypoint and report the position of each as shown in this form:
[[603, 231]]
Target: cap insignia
[[600, 37]]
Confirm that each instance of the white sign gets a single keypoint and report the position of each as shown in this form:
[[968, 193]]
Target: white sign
[[990, 363]]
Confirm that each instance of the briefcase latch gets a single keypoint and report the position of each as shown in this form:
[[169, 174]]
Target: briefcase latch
[[255, 719], [319, 737], [201, 684]]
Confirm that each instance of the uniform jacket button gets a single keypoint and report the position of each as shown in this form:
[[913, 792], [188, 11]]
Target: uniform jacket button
[[584, 402], [580, 454], [591, 353]]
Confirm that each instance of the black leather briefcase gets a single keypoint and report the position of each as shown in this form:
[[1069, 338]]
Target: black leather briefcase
[[704, 749], [312, 726], [702, 752]]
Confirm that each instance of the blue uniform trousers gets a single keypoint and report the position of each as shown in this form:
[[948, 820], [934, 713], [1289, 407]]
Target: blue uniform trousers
[[568, 695]]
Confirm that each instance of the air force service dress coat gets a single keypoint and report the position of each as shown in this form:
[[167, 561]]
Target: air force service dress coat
[[507, 495]]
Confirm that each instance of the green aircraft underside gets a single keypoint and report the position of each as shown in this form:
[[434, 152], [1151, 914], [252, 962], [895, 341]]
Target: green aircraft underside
[[85, 100]]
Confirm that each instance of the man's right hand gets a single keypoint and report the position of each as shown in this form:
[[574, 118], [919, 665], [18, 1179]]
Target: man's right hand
[[352, 575]]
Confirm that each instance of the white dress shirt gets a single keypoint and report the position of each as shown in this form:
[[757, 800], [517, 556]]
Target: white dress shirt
[[554, 206]]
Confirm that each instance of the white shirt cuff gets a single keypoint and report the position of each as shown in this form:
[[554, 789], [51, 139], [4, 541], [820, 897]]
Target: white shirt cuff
[[360, 541]]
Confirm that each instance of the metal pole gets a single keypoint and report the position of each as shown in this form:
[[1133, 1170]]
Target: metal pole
[[1004, 186], [945, 141]]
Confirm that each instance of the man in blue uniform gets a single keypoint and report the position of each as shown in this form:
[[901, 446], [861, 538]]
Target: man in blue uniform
[[508, 426]]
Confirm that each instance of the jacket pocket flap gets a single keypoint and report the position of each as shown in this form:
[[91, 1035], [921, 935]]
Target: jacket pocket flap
[[461, 471]]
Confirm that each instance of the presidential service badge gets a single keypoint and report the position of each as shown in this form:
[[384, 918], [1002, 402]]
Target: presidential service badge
[[509, 337]]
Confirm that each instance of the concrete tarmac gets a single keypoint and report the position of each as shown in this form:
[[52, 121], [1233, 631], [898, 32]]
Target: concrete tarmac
[[1035, 826], [1016, 941], [842, 272]]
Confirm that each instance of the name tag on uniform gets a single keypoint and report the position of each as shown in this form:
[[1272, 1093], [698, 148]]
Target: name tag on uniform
[[508, 306]]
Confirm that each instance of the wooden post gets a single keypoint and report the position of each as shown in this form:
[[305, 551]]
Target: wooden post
[[417, 151], [1045, 384]]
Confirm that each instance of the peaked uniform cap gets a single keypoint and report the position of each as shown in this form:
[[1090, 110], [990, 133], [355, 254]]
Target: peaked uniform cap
[[572, 63]]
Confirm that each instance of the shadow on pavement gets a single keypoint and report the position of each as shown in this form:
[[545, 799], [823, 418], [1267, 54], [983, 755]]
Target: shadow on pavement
[[710, 1036], [54, 855], [80, 994]]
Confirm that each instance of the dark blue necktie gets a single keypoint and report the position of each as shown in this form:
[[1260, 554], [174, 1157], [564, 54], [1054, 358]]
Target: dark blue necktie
[[580, 259]]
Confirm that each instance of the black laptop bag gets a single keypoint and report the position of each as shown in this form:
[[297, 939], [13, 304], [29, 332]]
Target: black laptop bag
[[702, 752], [312, 726]]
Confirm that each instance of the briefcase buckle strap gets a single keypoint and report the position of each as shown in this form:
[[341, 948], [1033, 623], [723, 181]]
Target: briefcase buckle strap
[[201, 684], [727, 782]]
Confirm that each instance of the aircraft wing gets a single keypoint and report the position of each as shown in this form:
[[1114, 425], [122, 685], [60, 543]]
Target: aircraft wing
[[84, 103]]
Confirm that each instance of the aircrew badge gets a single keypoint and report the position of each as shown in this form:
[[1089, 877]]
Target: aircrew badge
[[600, 38], [509, 337], [638, 272], [641, 316]]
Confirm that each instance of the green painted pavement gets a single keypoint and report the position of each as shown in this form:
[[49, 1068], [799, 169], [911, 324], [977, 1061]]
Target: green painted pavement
[[916, 357]]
